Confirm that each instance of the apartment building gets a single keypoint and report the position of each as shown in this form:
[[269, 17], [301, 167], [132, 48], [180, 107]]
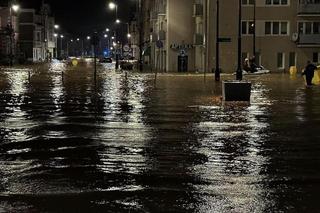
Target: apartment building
[[184, 32], [8, 35]]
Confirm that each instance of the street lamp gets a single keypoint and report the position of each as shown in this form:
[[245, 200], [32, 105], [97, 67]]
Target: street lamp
[[112, 6], [61, 37], [56, 26], [107, 30], [118, 21], [15, 8]]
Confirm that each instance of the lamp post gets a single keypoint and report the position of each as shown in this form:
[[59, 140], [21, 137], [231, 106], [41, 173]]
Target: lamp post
[[140, 20], [217, 71], [61, 39], [114, 6], [15, 8], [239, 69], [254, 51]]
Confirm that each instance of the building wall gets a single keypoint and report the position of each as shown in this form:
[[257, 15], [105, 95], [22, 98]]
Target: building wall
[[182, 25]]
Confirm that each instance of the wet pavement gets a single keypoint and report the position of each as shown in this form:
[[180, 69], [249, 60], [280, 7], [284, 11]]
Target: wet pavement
[[128, 144]]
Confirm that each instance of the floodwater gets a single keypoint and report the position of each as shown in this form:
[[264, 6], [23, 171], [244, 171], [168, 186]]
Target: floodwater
[[132, 144]]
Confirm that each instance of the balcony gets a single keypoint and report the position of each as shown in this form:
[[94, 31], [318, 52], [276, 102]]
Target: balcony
[[309, 40], [309, 9]]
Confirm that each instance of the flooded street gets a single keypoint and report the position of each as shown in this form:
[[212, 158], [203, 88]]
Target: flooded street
[[127, 144]]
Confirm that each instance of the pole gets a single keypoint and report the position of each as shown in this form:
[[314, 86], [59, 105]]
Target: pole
[[217, 71], [67, 49], [11, 37], [254, 28], [140, 18], [239, 69], [95, 64], [60, 46]]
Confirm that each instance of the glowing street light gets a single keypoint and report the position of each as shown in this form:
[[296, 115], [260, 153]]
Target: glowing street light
[[129, 35], [107, 30], [118, 21], [15, 7], [56, 26], [105, 35], [55, 35], [78, 39], [88, 37], [112, 6], [61, 36]]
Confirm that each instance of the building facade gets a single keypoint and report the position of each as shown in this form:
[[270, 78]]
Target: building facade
[[37, 41], [9, 32], [181, 35]]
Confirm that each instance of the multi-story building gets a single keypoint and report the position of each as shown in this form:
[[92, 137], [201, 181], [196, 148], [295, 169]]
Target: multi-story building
[[287, 33], [9, 32], [37, 41]]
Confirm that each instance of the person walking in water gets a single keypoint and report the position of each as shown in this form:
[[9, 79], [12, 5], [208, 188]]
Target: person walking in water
[[309, 72]]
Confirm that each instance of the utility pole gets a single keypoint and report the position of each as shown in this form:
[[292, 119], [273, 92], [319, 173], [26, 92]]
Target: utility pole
[[239, 69], [217, 71]]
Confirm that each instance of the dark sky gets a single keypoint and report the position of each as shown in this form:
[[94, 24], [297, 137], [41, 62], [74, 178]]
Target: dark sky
[[82, 17]]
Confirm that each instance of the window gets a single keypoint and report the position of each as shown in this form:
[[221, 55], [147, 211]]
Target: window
[[309, 27], [292, 59], [276, 28], [248, 2], [316, 57], [247, 27], [277, 2], [268, 28], [284, 28], [280, 60]]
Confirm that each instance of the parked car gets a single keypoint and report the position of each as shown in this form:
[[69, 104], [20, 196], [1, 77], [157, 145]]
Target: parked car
[[105, 60]]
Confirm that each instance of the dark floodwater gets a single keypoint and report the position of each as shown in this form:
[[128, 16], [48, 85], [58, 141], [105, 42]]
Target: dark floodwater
[[128, 145]]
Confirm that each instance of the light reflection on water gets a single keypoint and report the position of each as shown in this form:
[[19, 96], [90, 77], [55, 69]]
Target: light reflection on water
[[125, 143]]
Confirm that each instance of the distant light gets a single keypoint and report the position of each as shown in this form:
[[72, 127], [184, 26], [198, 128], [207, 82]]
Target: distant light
[[129, 35], [112, 38], [78, 39], [105, 35], [55, 35], [112, 6], [114, 44], [111, 48], [71, 40], [107, 30], [61, 36], [118, 21], [56, 26], [88, 37], [15, 7]]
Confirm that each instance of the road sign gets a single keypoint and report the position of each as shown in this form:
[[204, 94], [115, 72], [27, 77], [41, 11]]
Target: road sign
[[226, 40]]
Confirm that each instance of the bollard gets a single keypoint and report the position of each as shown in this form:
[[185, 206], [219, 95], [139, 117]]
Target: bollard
[[62, 76], [29, 76]]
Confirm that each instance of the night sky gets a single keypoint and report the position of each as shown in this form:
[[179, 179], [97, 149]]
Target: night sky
[[81, 17]]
